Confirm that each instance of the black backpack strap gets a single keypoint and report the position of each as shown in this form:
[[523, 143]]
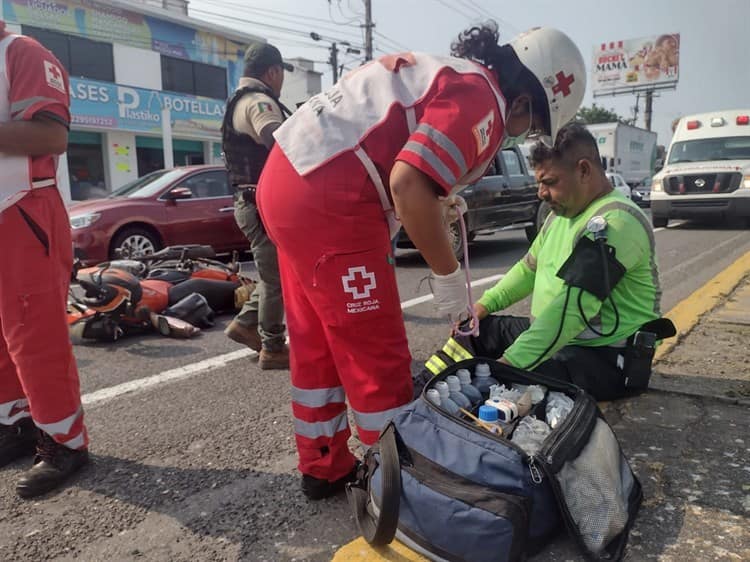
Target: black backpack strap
[[380, 530]]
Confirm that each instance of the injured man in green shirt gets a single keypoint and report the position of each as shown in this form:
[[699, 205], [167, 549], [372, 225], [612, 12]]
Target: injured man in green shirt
[[593, 280]]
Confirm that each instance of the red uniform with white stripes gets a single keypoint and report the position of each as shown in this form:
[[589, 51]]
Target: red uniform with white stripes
[[38, 375], [324, 199]]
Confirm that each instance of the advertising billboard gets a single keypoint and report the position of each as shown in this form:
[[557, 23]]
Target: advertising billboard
[[633, 65]]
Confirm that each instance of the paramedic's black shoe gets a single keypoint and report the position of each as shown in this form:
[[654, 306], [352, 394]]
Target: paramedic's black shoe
[[318, 489], [17, 441], [53, 465]]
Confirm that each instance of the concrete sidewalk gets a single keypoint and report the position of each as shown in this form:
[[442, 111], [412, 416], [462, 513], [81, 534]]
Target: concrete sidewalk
[[687, 439]]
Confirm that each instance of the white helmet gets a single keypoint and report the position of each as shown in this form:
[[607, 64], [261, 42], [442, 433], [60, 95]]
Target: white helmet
[[556, 62]]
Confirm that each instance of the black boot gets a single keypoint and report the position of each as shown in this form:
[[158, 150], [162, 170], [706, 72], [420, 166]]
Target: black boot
[[17, 440], [53, 464], [318, 488]]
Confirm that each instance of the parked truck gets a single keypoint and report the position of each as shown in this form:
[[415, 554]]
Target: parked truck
[[626, 150]]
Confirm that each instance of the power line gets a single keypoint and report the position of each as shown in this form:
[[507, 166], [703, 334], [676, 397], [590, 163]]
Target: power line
[[486, 13], [330, 15], [266, 10], [298, 32], [455, 9], [283, 16], [392, 42]]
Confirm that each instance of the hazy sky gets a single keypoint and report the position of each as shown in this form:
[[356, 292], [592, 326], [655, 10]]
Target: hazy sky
[[713, 50]]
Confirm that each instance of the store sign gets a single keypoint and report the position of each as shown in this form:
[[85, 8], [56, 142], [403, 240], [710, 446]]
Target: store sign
[[636, 64], [102, 21], [101, 105]]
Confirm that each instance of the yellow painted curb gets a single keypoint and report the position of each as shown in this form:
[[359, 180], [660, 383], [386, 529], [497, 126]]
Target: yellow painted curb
[[359, 551], [686, 314]]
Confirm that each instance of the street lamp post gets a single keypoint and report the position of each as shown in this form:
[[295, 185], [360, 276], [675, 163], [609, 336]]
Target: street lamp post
[[333, 58]]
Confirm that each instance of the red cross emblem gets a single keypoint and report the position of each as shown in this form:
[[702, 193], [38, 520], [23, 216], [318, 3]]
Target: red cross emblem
[[563, 84], [54, 72], [359, 282]]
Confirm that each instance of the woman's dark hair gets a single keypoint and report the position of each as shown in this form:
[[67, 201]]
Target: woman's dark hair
[[479, 43]]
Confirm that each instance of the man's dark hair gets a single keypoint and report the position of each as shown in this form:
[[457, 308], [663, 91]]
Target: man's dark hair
[[574, 142]]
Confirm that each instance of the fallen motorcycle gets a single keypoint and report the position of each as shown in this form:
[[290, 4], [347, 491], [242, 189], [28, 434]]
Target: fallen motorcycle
[[176, 291]]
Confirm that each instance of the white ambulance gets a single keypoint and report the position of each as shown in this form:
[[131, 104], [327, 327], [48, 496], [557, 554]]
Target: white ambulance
[[707, 170]]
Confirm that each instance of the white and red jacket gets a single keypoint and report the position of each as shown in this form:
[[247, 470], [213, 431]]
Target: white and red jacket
[[32, 82], [443, 115]]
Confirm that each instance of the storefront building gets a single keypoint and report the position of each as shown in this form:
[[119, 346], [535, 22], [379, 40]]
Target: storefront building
[[143, 79]]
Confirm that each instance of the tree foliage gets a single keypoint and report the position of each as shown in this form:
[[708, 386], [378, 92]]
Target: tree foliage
[[598, 114]]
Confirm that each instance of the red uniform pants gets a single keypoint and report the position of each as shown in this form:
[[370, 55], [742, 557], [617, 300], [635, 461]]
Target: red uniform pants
[[346, 331], [38, 375]]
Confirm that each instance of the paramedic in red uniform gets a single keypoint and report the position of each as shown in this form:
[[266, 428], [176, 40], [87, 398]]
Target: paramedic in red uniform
[[388, 142], [40, 403]]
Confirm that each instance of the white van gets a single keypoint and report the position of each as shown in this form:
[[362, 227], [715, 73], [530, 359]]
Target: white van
[[707, 171]]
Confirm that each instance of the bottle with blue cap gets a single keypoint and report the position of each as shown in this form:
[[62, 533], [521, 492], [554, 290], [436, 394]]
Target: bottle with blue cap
[[483, 379], [488, 415], [445, 398], [471, 392], [456, 395]]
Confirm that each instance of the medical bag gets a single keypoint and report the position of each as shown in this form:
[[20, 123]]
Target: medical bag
[[452, 490]]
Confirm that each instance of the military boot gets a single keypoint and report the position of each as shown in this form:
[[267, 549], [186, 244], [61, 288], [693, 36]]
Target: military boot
[[246, 335], [53, 464], [17, 441], [277, 359]]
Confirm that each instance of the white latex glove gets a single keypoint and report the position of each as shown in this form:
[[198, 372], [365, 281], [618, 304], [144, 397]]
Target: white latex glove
[[453, 207], [451, 298]]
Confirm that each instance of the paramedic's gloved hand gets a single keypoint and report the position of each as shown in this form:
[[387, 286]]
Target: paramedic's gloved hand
[[453, 207], [451, 298]]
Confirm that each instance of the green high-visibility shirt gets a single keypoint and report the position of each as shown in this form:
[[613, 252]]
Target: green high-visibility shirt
[[637, 295]]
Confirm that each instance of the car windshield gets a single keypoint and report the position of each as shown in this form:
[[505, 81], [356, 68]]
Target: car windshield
[[705, 150], [148, 185]]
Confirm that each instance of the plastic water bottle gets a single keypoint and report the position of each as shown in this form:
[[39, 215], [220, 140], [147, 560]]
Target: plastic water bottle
[[456, 395], [445, 398], [488, 415], [483, 379], [433, 396], [471, 392]]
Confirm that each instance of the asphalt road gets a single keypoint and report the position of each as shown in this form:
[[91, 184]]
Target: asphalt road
[[199, 462]]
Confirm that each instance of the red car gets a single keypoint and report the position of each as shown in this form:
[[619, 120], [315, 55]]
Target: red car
[[184, 205]]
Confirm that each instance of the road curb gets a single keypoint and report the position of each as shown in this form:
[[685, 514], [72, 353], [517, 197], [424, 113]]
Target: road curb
[[689, 311]]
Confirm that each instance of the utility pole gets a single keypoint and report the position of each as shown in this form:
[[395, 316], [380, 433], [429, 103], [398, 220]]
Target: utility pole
[[649, 108], [635, 109], [334, 60], [368, 29]]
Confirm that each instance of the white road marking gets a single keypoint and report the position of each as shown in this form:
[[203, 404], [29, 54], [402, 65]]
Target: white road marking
[[107, 394], [110, 393]]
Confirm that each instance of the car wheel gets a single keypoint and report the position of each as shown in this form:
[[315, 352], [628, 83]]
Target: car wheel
[[135, 242], [659, 222], [457, 240], [541, 215]]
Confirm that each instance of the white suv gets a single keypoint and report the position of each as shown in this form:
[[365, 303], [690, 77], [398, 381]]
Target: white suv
[[707, 172]]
